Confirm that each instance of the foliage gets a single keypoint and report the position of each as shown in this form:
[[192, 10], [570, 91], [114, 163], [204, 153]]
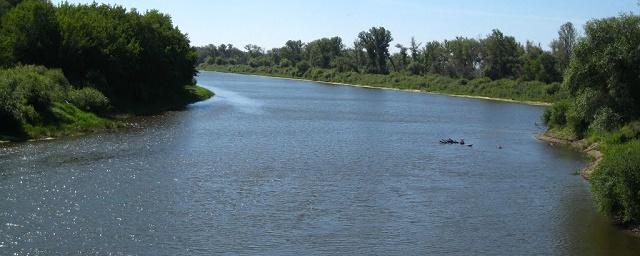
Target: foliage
[[302, 67], [376, 43], [616, 182], [501, 55], [26, 94], [33, 98], [126, 55], [90, 100], [556, 115], [605, 120], [562, 48], [463, 57], [197, 93], [497, 56], [606, 61], [30, 34], [322, 52], [505, 89], [539, 65]]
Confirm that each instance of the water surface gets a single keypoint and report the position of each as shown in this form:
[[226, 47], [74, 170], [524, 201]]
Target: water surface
[[280, 167]]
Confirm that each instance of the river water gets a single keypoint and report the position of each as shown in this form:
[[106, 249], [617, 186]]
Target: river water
[[281, 167]]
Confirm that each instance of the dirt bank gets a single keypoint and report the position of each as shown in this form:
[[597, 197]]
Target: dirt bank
[[591, 150]]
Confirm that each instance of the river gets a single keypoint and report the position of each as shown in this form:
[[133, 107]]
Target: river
[[281, 167]]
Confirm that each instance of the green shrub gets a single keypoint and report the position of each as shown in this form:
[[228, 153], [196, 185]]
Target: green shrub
[[605, 120], [32, 99], [27, 93], [583, 110], [89, 99], [552, 88], [616, 182], [302, 67], [556, 115], [415, 68], [285, 63]]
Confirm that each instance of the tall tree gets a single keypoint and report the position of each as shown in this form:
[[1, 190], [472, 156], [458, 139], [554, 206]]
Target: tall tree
[[435, 58], [605, 64], [414, 47], [562, 47], [322, 52], [501, 56], [376, 42], [292, 51], [254, 50], [464, 57], [539, 64], [403, 59]]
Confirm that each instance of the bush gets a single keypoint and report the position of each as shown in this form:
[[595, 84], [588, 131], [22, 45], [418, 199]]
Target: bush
[[556, 115], [89, 99], [31, 98], [302, 68], [27, 92], [552, 88], [616, 182], [583, 110], [415, 68], [606, 120], [285, 63]]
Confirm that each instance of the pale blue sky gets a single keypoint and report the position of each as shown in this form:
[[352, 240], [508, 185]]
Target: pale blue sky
[[270, 23]]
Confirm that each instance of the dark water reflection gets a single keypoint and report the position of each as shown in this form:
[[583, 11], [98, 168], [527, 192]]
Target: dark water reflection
[[285, 167]]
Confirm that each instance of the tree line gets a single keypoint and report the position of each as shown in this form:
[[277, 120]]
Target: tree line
[[497, 56], [134, 59]]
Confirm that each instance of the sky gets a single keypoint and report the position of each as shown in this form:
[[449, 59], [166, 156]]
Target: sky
[[270, 23]]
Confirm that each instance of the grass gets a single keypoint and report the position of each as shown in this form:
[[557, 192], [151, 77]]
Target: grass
[[70, 120], [532, 91], [197, 93]]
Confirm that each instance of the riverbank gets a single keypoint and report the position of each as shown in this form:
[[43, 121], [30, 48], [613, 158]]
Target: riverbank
[[525, 92], [533, 103], [64, 119], [612, 161], [592, 150]]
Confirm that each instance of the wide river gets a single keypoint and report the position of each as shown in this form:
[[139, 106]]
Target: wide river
[[282, 167]]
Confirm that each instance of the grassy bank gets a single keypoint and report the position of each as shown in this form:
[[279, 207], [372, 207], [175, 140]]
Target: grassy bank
[[513, 90], [613, 169], [36, 102]]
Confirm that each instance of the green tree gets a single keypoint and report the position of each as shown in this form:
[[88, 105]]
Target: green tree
[[562, 47], [435, 58], [539, 64], [501, 56], [322, 52], [606, 62], [414, 47], [210, 51], [6, 5], [130, 57], [403, 56], [292, 51], [376, 42], [463, 57], [30, 34]]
